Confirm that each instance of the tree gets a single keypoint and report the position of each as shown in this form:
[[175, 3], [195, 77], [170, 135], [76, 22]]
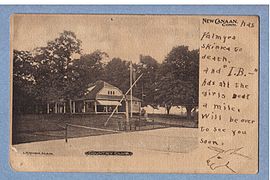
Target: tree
[[148, 66], [88, 69], [55, 78], [178, 79], [23, 81], [117, 73]]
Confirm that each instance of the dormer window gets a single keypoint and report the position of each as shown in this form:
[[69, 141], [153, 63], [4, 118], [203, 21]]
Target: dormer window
[[111, 92]]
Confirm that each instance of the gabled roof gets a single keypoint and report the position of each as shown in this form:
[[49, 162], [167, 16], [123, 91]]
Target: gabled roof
[[94, 89]]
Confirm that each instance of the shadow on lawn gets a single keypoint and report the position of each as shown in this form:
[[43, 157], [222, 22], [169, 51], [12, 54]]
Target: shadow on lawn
[[43, 127]]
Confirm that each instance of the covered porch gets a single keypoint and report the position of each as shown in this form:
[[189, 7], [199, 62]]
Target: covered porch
[[96, 106], [85, 106]]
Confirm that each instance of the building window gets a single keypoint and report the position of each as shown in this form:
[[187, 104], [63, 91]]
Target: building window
[[111, 92]]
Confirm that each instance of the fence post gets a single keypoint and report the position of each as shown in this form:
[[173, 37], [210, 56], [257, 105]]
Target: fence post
[[119, 125], [139, 124], [66, 138], [125, 126]]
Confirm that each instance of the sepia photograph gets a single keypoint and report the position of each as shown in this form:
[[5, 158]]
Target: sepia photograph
[[121, 81]]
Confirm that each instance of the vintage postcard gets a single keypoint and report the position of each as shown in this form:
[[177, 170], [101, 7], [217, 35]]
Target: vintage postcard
[[134, 93]]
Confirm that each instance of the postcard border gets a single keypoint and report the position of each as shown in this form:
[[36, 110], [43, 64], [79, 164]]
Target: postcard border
[[259, 10]]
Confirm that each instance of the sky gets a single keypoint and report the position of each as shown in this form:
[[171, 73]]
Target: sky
[[123, 36]]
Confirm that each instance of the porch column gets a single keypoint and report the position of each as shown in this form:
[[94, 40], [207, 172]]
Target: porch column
[[83, 106], [48, 108], [55, 108], [74, 107], [70, 106], [64, 107], [95, 106]]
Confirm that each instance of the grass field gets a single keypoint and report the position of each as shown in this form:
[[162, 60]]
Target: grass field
[[152, 142], [43, 127]]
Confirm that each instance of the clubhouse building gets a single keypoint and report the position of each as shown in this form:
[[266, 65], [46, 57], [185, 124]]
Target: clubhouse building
[[100, 98]]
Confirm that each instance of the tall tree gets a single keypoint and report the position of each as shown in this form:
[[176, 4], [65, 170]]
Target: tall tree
[[117, 73], [55, 77], [89, 68], [178, 79], [23, 81], [147, 66]]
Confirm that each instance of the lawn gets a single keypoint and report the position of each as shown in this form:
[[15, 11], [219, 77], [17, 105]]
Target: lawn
[[42, 127]]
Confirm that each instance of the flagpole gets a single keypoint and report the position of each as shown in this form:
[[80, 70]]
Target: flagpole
[[142, 92], [131, 72], [105, 124]]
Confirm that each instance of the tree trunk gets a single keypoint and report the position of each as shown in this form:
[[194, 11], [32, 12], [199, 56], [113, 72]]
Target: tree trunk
[[168, 108], [188, 108], [36, 109]]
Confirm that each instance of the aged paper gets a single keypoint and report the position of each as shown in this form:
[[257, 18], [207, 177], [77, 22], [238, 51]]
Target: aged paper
[[229, 92], [135, 93]]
